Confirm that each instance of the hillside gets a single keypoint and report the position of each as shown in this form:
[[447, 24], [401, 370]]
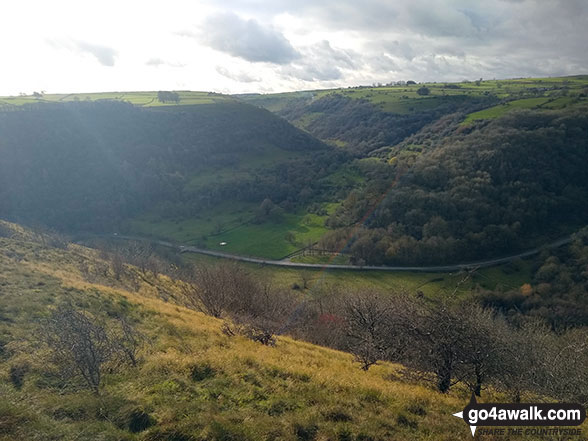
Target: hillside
[[141, 99], [192, 382], [94, 165], [450, 172], [355, 117], [374, 175]]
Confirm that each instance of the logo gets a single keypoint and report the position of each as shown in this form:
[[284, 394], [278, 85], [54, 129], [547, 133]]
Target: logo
[[523, 414]]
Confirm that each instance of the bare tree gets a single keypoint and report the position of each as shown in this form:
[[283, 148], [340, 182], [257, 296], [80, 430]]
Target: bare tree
[[565, 367], [128, 341], [217, 289], [546, 363], [367, 320], [82, 345], [262, 313], [377, 327], [79, 343], [482, 356], [117, 265]]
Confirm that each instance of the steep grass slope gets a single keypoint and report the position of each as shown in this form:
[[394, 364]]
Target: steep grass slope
[[192, 382]]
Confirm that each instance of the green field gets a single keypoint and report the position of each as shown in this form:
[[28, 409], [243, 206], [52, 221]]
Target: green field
[[142, 99], [526, 103], [235, 225], [268, 239], [401, 99], [459, 284], [223, 217], [404, 99]]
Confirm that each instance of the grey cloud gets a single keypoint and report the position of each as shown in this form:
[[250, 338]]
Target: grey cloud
[[247, 39], [320, 62], [241, 77], [155, 62], [336, 14], [397, 48], [445, 40], [104, 54], [439, 22]]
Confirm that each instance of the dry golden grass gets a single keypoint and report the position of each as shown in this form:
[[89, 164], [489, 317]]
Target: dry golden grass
[[193, 380]]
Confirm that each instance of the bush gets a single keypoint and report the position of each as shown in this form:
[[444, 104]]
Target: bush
[[337, 416], [18, 372], [306, 432], [222, 431], [200, 372], [423, 91], [139, 420], [416, 409], [83, 345], [403, 420]]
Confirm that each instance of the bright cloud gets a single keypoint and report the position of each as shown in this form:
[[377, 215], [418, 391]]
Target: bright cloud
[[261, 45]]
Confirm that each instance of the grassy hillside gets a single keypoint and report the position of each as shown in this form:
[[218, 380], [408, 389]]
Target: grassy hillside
[[405, 99], [367, 118], [192, 381]]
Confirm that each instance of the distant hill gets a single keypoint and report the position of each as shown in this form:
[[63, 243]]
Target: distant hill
[[90, 165], [451, 171], [433, 173], [365, 118]]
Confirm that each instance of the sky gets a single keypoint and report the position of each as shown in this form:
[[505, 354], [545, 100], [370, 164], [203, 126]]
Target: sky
[[263, 46]]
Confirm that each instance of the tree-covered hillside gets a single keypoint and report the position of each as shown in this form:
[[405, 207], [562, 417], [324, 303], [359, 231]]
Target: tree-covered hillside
[[485, 190], [451, 172], [90, 165]]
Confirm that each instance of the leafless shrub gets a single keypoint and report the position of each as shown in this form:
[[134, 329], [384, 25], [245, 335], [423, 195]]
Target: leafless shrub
[[261, 314], [218, 289], [550, 364], [251, 307], [367, 320], [127, 341], [49, 237], [17, 373], [79, 343], [83, 345], [117, 265], [257, 333]]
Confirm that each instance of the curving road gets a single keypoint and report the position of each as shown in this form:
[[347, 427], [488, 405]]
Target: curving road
[[288, 264]]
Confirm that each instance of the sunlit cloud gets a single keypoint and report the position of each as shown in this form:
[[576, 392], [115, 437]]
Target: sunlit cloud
[[255, 45]]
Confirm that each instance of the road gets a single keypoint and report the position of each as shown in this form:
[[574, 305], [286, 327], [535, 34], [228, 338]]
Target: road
[[288, 264]]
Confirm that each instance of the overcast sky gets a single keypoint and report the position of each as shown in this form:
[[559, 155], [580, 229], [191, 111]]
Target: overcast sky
[[234, 46]]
